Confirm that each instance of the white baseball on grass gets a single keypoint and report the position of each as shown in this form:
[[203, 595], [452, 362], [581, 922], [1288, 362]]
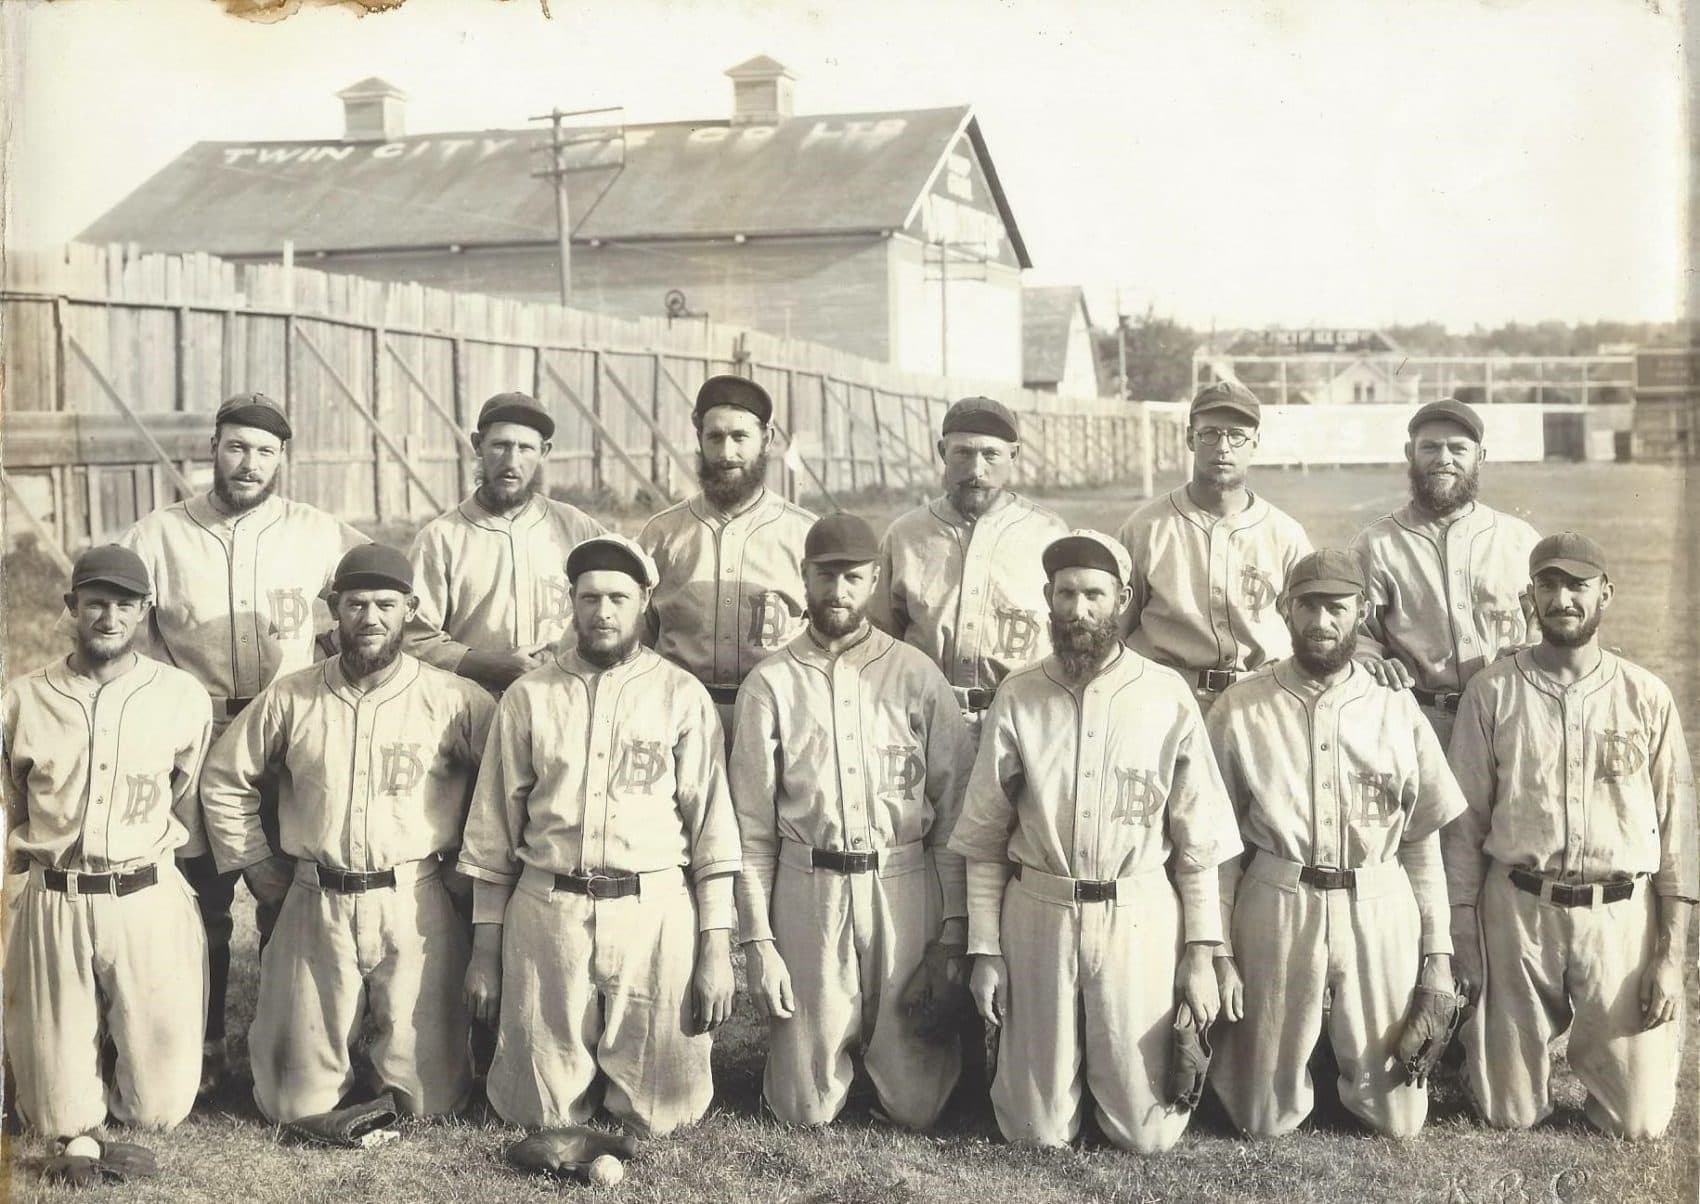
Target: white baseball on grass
[[82, 1147], [607, 1171]]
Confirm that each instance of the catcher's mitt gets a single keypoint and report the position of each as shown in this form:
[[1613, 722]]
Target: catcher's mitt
[[119, 1162], [936, 999], [568, 1152], [1430, 1024], [352, 1128], [1189, 1062]]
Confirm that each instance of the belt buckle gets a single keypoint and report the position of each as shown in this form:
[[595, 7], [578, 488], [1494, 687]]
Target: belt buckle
[[1217, 680], [1094, 892], [862, 863], [1332, 877], [599, 892], [352, 883]]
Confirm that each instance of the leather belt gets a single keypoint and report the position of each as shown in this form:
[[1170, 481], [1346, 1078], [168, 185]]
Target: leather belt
[[724, 695], [353, 882], [1215, 680], [1438, 700], [1087, 890], [235, 706], [973, 698], [1581, 894], [598, 885], [1328, 877], [844, 863], [74, 883]]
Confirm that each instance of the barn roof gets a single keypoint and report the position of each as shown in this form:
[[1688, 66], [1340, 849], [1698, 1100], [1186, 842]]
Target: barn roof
[[1046, 314], [812, 174]]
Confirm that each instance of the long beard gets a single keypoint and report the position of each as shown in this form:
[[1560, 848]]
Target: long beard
[[1081, 645], [729, 488], [362, 664], [234, 504], [1573, 638], [497, 496], [832, 622], [104, 649], [1324, 664], [609, 656], [971, 501], [1443, 499]]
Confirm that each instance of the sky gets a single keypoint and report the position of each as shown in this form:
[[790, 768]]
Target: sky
[[1304, 163]]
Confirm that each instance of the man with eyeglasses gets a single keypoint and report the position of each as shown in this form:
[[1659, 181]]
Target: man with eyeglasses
[[1211, 557]]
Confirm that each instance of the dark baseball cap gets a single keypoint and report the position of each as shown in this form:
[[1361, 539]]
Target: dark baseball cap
[[840, 539], [1569, 552], [737, 391], [373, 566], [612, 553], [1327, 571], [981, 416], [1227, 395], [516, 407], [1448, 409], [110, 564], [1083, 549], [255, 410]]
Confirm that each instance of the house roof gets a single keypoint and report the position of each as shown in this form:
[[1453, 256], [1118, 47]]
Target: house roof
[[1046, 315], [813, 174]]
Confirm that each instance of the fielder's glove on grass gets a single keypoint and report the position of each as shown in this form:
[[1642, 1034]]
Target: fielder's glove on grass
[[119, 1162], [935, 999], [1429, 1026], [567, 1153], [346, 1126]]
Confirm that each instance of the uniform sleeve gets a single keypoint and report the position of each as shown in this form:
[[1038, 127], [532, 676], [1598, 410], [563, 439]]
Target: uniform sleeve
[[1672, 774], [425, 636], [16, 777], [950, 759], [982, 831], [1422, 861], [1132, 537], [754, 773], [1202, 826], [887, 609], [187, 763], [495, 823], [1435, 798], [246, 755], [1471, 756], [649, 539], [1372, 631], [705, 808], [1219, 727], [148, 639]]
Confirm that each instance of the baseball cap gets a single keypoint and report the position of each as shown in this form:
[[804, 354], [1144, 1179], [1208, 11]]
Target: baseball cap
[[373, 566], [840, 539], [1227, 395], [981, 416], [733, 391], [1569, 552], [109, 564], [614, 553], [1083, 549], [1448, 409], [255, 410], [516, 407], [1327, 571]]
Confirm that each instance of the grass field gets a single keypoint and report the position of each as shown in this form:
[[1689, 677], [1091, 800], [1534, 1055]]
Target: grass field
[[1647, 517]]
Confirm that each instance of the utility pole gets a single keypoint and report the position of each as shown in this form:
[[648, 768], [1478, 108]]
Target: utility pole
[[557, 170], [1121, 347], [944, 307]]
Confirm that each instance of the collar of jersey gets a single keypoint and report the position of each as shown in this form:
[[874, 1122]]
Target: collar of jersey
[[1479, 518], [474, 512], [1128, 664], [1296, 683], [1256, 510], [79, 685], [337, 681], [202, 510], [571, 661], [805, 648], [946, 511], [709, 514], [1598, 676]]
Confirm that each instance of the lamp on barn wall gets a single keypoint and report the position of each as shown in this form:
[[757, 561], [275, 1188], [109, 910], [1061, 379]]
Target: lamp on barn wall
[[677, 308]]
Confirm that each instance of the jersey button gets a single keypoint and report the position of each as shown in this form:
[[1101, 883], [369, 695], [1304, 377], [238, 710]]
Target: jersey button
[[1086, 814]]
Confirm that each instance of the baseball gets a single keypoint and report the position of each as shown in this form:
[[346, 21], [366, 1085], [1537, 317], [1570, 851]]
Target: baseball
[[82, 1147], [607, 1171]]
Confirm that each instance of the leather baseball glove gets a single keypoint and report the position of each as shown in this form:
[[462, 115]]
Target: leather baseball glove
[[567, 1153], [119, 1162], [1189, 1062], [346, 1127], [1430, 1024], [935, 999]]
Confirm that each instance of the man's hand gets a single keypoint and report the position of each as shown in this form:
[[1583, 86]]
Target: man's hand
[[1229, 987], [769, 980], [1391, 672], [1195, 984], [269, 880], [1661, 988], [711, 981], [988, 982], [484, 974], [1466, 961]]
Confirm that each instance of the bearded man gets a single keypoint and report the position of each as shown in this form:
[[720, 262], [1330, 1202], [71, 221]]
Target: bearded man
[[237, 575], [1341, 789], [1445, 574], [731, 587], [375, 755]]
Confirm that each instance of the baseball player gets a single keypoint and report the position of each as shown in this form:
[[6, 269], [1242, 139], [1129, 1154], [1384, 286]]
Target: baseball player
[[1093, 772], [490, 574], [1341, 789], [603, 843], [1572, 871], [102, 752], [731, 585], [1445, 572], [1210, 558], [236, 572], [960, 577], [374, 753], [847, 771]]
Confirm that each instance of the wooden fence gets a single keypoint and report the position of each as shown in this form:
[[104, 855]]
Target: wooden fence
[[114, 363]]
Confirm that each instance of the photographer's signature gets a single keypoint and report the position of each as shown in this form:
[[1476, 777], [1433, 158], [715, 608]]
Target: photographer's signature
[[1568, 1186]]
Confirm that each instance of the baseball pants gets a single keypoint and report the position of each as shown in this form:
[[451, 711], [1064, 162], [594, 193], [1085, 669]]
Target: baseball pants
[[93, 976], [1442, 721], [1091, 1006], [850, 943], [599, 985], [389, 962], [1548, 968], [1297, 946]]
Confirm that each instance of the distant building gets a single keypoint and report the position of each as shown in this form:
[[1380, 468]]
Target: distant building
[[1056, 342], [1311, 367], [829, 227]]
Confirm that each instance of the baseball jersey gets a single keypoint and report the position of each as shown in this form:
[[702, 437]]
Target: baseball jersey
[[968, 594], [866, 750], [366, 779], [1581, 784], [1101, 784], [102, 777], [491, 583], [620, 769], [1443, 596], [731, 590], [234, 595], [1205, 587]]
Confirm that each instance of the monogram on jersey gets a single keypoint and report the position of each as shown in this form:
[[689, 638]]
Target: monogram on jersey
[[1504, 626], [771, 619], [640, 765], [1139, 796], [901, 770], [1017, 632], [400, 770], [141, 798], [1621, 755], [1374, 798], [290, 611], [1257, 591], [554, 600]]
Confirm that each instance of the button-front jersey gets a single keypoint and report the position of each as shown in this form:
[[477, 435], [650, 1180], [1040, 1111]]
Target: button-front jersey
[[1336, 777], [731, 591], [103, 777], [1205, 588], [863, 751], [366, 779], [234, 597], [1443, 597], [491, 583], [1581, 783], [968, 594]]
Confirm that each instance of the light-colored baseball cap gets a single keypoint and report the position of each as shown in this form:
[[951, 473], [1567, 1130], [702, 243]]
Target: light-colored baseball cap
[[614, 553]]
